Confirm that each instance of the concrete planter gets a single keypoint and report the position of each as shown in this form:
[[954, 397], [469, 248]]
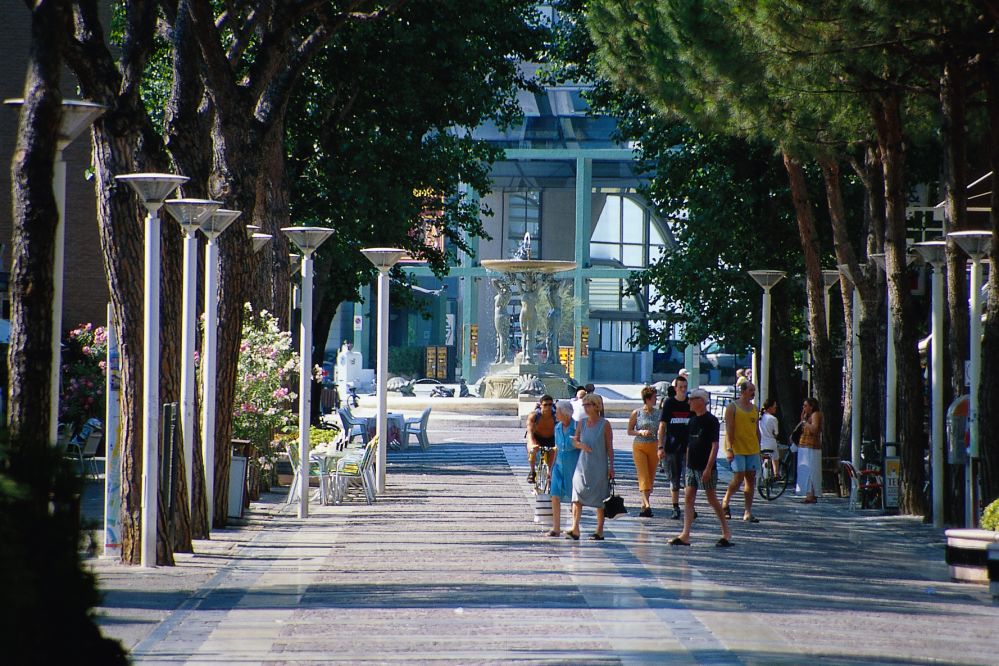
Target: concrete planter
[[993, 568], [968, 554]]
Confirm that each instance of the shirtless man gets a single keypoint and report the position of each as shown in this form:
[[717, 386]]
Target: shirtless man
[[541, 433]]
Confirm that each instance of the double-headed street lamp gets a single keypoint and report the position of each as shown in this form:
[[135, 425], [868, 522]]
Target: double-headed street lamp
[[976, 244], [76, 117], [212, 226], [767, 280], [190, 214], [152, 189], [935, 254], [308, 240]]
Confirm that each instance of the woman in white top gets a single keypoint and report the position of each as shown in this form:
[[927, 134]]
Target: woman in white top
[[768, 431]]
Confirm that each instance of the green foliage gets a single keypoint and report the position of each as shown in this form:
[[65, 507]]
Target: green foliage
[[406, 361], [267, 368], [48, 596], [990, 517], [84, 362]]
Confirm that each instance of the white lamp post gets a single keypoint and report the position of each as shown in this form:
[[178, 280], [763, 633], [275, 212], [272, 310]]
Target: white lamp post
[[976, 244], [767, 280], [856, 364], [935, 254], [152, 189], [308, 240], [384, 258], [212, 226], [829, 278], [76, 117], [189, 213]]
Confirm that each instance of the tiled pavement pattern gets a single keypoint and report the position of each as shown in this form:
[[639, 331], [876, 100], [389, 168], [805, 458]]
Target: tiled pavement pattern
[[448, 567]]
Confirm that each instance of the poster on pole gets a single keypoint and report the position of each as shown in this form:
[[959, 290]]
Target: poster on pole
[[112, 460]]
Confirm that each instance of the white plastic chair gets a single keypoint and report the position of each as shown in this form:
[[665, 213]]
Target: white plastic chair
[[353, 427], [357, 465], [316, 470], [418, 426]]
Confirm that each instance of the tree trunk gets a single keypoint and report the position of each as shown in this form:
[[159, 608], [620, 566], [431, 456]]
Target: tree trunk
[[271, 275], [953, 132], [886, 113], [36, 217], [989, 395], [827, 385]]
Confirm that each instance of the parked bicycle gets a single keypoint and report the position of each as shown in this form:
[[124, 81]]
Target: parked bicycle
[[769, 486]]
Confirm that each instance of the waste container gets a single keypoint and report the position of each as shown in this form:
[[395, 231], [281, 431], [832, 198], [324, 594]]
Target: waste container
[[237, 476]]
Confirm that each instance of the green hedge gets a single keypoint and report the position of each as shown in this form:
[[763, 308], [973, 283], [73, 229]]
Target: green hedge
[[406, 361]]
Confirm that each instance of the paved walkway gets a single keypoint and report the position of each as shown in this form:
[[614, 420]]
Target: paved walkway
[[448, 567]]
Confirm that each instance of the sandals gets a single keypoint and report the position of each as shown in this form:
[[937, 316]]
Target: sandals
[[723, 543], [572, 535], [727, 512], [552, 533], [751, 519], [595, 537], [677, 541]]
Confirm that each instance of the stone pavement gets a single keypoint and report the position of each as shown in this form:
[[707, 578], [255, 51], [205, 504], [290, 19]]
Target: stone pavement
[[448, 567]]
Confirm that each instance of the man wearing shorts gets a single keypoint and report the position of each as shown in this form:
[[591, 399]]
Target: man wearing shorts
[[673, 439], [742, 448], [702, 452], [541, 432]]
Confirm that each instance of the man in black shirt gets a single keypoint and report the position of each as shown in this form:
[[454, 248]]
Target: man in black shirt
[[673, 439], [702, 451]]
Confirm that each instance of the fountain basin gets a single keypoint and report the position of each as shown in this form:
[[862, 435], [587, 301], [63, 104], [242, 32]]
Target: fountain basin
[[548, 266]]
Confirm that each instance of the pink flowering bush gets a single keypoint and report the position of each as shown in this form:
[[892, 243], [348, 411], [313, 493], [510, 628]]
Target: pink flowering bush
[[84, 360], [268, 367]]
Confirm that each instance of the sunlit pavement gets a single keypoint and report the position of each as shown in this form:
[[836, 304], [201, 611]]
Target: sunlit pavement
[[448, 566]]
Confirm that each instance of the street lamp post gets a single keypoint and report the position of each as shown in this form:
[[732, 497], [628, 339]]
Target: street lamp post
[[976, 244], [857, 370], [189, 213], [767, 280], [935, 254], [829, 278], [308, 240], [152, 189], [211, 227], [384, 258], [76, 117]]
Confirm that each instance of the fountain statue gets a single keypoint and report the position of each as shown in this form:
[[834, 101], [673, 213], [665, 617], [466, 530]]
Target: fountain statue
[[533, 281]]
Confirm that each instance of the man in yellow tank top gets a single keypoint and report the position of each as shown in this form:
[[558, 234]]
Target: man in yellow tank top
[[742, 448]]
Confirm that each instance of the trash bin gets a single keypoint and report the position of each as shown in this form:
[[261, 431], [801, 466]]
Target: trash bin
[[237, 476]]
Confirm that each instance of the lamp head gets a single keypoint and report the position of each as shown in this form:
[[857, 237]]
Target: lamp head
[[152, 188], [294, 263], [218, 222], [933, 252], [252, 229], [190, 213], [975, 243], [767, 279], [308, 239], [259, 241], [829, 278], [77, 116]]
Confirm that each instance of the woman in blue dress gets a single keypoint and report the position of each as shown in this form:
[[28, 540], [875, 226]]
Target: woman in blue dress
[[565, 463]]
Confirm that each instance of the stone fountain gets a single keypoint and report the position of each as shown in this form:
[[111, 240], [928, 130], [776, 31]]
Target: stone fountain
[[541, 297]]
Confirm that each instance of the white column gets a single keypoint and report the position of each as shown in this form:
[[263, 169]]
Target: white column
[[150, 389], [209, 367], [937, 391], [305, 384], [975, 331], [58, 264], [382, 369], [891, 379], [764, 382], [855, 384], [187, 342]]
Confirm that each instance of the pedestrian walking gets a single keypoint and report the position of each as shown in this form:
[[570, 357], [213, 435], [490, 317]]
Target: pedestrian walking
[[672, 435], [702, 452], [810, 452], [595, 469], [742, 448], [643, 424], [768, 432], [565, 463]]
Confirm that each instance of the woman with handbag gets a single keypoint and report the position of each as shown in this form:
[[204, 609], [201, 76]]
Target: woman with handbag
[[595, 469], [810, 452]]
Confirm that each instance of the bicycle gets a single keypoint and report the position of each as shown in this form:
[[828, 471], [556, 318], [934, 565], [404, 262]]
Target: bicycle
[[769, 486], [542, 473]]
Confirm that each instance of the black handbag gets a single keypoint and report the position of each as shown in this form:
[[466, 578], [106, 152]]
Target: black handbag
[[614, 505]]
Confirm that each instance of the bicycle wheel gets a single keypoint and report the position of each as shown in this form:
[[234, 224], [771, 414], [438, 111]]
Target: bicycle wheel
[[541, 482], [770, 486]]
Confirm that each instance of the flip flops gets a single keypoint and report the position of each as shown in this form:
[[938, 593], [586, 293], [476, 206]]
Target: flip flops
[[723, 543], [552, 533], [572, 535], [677, 541], [596, 537], [751, 519], [727, 512]]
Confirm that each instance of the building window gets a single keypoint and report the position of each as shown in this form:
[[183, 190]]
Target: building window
[[523, 215]]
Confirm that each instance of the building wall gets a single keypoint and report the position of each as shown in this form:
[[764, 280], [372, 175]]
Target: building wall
[[85, 293]]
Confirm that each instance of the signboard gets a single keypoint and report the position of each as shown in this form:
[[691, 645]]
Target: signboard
[[358, 323], [893, 472], [430, 362], [442, 363], [566, 358], [436, 362], [449, 329], [584, 341], [112, 462], [473, 343]]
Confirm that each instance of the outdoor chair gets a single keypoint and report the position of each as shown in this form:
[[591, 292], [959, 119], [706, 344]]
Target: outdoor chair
[[865, 484], [85, 445], [316, 470], [417, 426], [356, 466], [353, 426]]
